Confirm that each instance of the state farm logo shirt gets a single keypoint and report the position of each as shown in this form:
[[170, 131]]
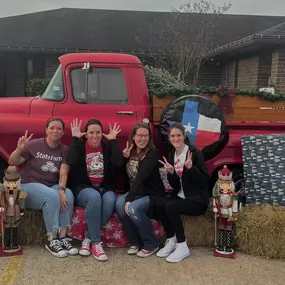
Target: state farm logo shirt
[[42, 163]]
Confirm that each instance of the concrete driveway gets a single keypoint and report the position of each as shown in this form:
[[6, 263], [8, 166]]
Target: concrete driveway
[[37, 266]]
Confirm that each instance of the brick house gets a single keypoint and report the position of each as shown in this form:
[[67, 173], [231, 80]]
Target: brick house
[[253, 62], [32, 51]]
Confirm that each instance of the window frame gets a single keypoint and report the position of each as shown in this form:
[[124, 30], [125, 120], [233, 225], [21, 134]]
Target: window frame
[[59, 69]]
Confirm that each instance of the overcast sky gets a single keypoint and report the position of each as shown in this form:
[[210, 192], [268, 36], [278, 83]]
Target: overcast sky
[[255, 7]]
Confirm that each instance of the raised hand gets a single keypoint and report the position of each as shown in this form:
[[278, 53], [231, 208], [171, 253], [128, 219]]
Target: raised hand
[[113, 132], [168, 167], [22, 142], [75, 128], [188, 162], [127, 150]]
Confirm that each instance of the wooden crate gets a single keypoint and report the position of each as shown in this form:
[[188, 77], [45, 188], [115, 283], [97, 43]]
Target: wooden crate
[[159, 104], [246, 108]]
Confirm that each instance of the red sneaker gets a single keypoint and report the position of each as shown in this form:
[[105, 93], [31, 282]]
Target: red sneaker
[[98, 251], [146, 252]]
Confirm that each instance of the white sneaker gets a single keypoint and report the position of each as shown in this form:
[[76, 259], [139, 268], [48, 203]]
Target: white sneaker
[[181, 251], [168, 248], [133, 250], [85, 248]]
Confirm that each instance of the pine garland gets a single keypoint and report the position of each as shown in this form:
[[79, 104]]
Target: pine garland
[[161, 84]]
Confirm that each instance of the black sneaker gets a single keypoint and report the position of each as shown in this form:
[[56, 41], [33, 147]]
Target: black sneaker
[[55, 248], [68, 247]]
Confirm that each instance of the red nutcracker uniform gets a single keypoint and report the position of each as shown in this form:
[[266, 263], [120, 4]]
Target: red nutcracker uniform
[[225, 207]]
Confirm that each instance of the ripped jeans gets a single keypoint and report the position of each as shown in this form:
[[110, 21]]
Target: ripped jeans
[[137, 225], [47, 199]]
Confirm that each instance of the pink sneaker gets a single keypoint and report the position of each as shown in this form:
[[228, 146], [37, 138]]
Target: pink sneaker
[[133, 250], [98, 251], [85, 248], [146, 252]]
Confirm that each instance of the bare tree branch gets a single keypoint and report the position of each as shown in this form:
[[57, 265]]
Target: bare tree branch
[[185, 37]]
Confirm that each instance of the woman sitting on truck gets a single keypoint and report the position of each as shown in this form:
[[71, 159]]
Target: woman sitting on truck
[[90, 159], [44, 176], [135, 207], [188, 176]]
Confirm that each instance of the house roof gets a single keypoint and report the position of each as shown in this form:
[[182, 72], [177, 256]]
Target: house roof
[[273, 35], [69, 30]]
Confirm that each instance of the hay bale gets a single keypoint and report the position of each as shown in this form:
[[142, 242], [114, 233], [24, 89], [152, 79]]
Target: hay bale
[[200, 231], [32, 229], [260, 230]]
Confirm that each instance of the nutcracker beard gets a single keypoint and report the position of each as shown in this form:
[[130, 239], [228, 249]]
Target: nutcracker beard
[[11, 201]]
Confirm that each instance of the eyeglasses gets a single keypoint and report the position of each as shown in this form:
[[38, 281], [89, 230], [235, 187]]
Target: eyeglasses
[[142, 136]]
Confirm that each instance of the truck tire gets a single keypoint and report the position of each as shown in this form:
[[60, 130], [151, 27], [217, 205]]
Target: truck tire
[[205, 120], [238, 179], [3, 166]]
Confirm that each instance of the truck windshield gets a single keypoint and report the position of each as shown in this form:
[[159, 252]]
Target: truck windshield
[[55, 90]]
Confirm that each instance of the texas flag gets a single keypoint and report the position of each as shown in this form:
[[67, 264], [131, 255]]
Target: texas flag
[[201, 130]]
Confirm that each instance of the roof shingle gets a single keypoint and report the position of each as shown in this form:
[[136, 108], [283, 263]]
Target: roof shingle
[[110, 30]]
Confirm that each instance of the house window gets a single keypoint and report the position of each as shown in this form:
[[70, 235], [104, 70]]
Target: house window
[[99, 86], [30, 69]]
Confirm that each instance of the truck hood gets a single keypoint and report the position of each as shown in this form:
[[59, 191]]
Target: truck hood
[[15, 106]]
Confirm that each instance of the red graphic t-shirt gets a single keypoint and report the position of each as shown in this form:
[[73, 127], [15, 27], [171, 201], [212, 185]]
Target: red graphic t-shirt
[[94, 164]]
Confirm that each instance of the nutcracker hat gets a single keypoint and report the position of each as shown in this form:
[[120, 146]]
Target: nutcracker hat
[[12, 173], [225, 174]]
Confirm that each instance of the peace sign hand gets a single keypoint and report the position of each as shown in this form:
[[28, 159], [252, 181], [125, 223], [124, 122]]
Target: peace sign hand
[[188, 162], [127, 150], [75, 128], [113, 132], [167, 166], [22, 142]]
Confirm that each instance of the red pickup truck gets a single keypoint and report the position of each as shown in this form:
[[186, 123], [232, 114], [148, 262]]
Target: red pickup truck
[[110, 87]]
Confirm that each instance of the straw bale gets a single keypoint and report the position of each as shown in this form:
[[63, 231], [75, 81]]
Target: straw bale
[[260, 230]]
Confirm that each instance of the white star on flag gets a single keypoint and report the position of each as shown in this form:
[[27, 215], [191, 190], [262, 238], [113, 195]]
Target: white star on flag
[[188, 128]]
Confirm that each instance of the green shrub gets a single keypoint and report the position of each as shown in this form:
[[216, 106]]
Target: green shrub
[[37, 86]]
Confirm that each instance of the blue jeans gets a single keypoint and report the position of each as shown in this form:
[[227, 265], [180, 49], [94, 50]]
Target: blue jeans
[[97, 210], [137, 225], [45, 198]]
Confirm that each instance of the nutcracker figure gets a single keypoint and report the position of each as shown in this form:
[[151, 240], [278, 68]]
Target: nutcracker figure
[[12, 205], [225, 207]]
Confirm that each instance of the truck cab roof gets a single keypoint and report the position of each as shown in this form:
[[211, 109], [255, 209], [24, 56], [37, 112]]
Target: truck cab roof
[[114, 58]]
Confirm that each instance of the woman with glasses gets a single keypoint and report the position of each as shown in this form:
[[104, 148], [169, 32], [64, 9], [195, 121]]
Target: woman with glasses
[[134, 207]]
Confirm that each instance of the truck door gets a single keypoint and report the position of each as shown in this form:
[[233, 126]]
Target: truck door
[[98, 91]]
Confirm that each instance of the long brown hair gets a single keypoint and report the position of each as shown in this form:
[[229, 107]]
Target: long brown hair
[[149, 146]]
